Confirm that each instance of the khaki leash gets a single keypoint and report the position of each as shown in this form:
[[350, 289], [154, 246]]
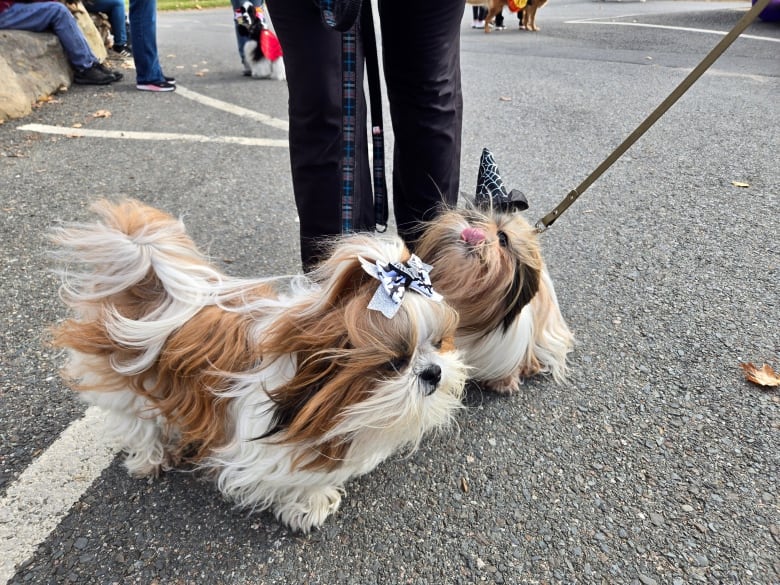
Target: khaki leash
[[686, 83]]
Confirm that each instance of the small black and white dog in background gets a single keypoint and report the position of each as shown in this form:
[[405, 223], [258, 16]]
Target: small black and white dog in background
[[262, 52]]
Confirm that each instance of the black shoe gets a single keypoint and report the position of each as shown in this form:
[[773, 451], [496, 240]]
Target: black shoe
[[115, 74], [95, 75], [123, 51], [171, 80]]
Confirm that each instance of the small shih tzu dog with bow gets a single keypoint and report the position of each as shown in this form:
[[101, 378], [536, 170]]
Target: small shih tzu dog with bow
[[488, 265], [262, 52], [278, 389]]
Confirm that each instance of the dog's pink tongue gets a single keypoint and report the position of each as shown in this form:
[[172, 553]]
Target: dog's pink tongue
[[472, 235]]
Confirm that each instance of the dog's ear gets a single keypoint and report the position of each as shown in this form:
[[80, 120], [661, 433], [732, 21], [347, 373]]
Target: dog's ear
[[525, 285]]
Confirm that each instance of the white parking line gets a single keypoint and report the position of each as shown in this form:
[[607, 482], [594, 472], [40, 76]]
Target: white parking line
[[196, 97], [666, 27], [232, 108], [129, 135], [43, 494]]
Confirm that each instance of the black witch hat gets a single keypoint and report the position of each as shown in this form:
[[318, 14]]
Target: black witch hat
[[491, 193]]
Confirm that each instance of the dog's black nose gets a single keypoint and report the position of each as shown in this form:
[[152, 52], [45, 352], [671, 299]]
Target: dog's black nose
[[431, 376]]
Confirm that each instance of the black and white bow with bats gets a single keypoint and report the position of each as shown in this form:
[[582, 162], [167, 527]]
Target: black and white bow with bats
[[395, 279]]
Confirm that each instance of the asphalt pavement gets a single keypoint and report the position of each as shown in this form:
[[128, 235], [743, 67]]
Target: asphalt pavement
[[657, 462]]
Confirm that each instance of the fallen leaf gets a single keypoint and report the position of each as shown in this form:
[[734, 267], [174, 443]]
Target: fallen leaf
[[504, 98], [464, 485], [77, 125], [740, 184], [102, 114], [764, 376]]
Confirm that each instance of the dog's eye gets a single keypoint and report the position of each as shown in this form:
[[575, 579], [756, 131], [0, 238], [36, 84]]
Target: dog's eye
[[503, 240], [446, 343], [397, 364]]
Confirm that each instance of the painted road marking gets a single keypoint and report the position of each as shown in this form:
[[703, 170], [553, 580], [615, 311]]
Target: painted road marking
[[191, 95], [667, 27], [43, 494], [128, 135], [233, 109]]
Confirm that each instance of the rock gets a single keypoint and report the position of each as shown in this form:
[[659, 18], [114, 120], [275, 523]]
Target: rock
[[32, 65], [89, 29]]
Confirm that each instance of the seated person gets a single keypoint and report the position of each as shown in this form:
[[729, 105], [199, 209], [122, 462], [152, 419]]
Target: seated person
[[52, 16], [115, 10]]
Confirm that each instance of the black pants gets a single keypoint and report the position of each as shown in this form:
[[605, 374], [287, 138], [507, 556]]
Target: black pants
[[422, 72]]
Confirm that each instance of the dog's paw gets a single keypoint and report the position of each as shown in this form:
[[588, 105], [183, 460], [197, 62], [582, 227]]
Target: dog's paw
[[506, 386], [148, 459], [311, 510], [139, 466]]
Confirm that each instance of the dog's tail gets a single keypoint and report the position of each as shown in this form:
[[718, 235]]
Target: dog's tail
[[131, 278]]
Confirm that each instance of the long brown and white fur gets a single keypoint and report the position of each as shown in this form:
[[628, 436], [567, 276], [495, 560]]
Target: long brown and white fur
[[488, 265], [279, 389]]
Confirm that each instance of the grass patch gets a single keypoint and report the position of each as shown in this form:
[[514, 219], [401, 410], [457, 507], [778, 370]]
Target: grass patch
[[191, 4]]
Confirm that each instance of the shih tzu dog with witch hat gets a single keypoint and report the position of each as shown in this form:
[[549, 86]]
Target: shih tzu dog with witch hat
[[278, 389], [262, 52], [488, 265]]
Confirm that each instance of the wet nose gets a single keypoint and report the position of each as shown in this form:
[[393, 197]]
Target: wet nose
[[431, 376]]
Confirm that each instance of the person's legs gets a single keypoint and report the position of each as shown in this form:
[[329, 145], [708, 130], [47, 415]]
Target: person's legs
[[312, 55], [422, 70], [241, 40], [44, 16], [115, 9], [143, 32]]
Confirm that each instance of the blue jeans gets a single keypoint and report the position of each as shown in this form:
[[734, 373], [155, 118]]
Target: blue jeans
[[143, 32], [51, 16], [242, 40], [115, 9]]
